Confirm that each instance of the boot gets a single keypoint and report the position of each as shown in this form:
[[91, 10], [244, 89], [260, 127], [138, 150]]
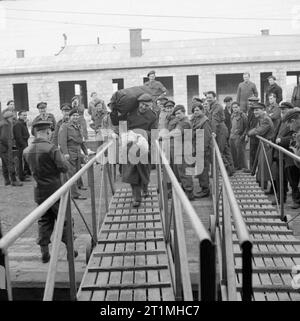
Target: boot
[[7, 182], [45, 253], [190, 195], [203, 193], [16, 183], [295, 195]]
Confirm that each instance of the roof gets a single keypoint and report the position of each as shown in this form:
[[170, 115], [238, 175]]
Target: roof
[[163, 53]]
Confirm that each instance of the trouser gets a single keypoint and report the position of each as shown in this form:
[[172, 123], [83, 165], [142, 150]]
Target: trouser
[[46, 226], [222, 141], [75, 165], [22, 162], [293, 177], [185, 180], [254, 143], [276, 179], [237, 148], [8, 166], [204, 176], [136, 192]]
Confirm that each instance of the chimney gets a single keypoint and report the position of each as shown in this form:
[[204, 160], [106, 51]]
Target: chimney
[[136, 42], [265, 32], [20, 53]]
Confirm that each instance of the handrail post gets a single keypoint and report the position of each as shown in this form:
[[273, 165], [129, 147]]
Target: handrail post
[[262, 167], [207, 282], [70, 251], [93, 203], [281, 186], [246, 248], [105, 187]]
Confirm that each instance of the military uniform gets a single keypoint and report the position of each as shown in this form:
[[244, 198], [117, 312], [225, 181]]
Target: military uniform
[[70, 141], [46, 164], [138, 175], [80, 107], [6, 149], [54, 138], [216, 117], [264, 128]]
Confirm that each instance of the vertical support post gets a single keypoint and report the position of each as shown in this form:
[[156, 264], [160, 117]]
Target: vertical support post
[[246, 248], [105, 187], [281, 185], [261, 165], [70, 251], [93, 204], [178, 286], [109, 174], [167, 213]]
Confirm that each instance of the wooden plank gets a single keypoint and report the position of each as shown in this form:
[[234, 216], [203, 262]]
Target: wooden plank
[[140, 276], [128, 277]]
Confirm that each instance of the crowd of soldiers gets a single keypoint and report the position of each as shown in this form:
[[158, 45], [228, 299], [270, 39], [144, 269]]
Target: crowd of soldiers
[[59, 147]]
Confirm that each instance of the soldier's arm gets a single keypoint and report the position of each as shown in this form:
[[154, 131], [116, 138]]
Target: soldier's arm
[[63, 139], [216, 119], [255, 92], [238, 94], [18, 135], [60, 162], [262, 129], [53, 123], [279, 94], [276, 114], [163, 88]]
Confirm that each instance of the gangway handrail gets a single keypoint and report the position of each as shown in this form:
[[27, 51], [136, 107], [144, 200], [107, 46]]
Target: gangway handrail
[[281, 151], [63, 193], [181, 276], [230, 209]]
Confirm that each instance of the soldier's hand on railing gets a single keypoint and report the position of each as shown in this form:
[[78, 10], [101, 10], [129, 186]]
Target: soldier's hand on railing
[[246, 138], [213, 134], [278, 140], [67, 156]]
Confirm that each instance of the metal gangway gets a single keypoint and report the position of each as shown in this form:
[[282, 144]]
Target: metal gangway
[[135, 254]]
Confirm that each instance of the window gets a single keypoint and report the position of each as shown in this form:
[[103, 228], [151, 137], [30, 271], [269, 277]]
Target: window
[[118, 84], [68, 89], [192, 83], [292, 79], [21, 97], [227, 85], [167, 82]]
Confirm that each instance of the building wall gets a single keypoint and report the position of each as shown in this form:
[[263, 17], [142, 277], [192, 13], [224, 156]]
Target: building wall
[[45, 86]]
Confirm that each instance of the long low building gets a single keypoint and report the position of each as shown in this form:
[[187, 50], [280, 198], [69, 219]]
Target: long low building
[[186, 68]]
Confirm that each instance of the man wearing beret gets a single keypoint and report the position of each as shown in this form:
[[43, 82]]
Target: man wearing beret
[[156, 87], [273, 110], [138, 175], [245, 90], [65, 109], [70, 141], [77, 104], [6, 148], [228, 112], [283, 137], [165, 116], [46, 163], [42, 107], [273, 88], [264, 128], [217, 122]]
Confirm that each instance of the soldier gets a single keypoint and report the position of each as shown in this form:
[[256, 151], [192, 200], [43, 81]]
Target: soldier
[[6, 148], [228, 112], [138, 175], [42, 107], [264, 128], [252, 122], [200, 121], [273, 110], [65, 109], [76, 104], [165, 114], [70, 141], [245, 90], [273, 88], [217, 122], [46, 164], [21, 135], [156, 87]]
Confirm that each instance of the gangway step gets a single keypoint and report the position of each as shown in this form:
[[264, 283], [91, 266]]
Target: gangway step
[[130, 260], [272, 288], [269, 231], [271, 254], [273, 242], [267, 269]]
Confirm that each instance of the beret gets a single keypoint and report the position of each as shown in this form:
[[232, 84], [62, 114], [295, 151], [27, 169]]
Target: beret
[[258, 105], [162, 97], [145, 97], [7, 114], [41, 104], [150, 73], [178, 107], [41, 124], [169, 102], [286, 104], [73, 111], [197, 104], [253, 98], [273, 77], [66, 106], [291, 114], [227, 98]]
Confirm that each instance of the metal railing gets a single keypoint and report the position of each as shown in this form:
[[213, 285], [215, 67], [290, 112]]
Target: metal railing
[[64, 213], [172, 217], [262, 156], [227, 209]]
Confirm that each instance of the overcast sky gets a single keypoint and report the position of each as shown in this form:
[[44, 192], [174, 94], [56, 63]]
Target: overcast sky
[[37, 26]]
